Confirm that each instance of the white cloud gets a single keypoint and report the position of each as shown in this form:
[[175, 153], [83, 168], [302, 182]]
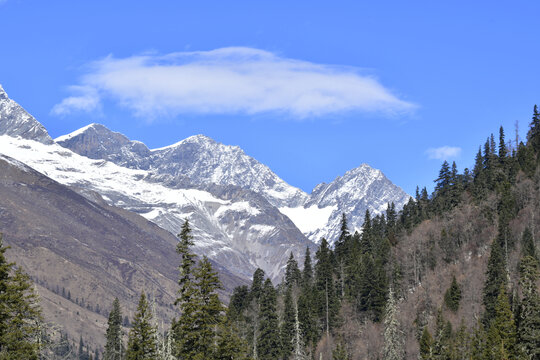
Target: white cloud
[[443, 152], [87, 100], [230, 80]]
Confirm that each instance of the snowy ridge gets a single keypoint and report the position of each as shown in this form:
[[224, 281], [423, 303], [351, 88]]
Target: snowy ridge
[[217, 236], [15, 121]]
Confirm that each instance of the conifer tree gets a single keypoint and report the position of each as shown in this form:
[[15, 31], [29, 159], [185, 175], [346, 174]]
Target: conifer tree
[[452, 297], [527, 244], [20, 314], [307, 272], [533, 136], [393, 336], [426, 345], [209, 311], [327, 302], [495, 279], [257, 284], [340, 353], [529, 315], [293, 276], [114, 347], [142, 336], [268, 342], [502, 336], [288, 325]]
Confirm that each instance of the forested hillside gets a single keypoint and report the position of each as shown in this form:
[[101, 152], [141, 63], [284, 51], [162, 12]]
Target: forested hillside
[[452, 276]]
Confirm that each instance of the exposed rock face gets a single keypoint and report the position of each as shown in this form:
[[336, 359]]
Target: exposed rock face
[[15, 121]]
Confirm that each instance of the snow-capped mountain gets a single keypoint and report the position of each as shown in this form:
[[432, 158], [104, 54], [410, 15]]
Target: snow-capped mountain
[[15, 121], [235, 227], [360, 189], [196, 160], [200, 160], [244, 216]]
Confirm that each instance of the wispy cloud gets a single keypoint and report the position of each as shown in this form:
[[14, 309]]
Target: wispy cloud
[[86, 99], [229, 81], [443, 152]]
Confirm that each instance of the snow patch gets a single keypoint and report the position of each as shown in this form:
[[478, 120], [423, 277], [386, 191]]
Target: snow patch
[[309, 219]]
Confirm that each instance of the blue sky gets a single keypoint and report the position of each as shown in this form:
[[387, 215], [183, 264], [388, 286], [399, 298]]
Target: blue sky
[[312, 89]]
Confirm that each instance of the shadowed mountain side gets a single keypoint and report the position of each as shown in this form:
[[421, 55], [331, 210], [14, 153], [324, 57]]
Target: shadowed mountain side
[[91, 251]]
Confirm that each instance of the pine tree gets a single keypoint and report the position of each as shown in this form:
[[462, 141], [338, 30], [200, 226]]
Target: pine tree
[[307, 272], [229, 345], [527, 244], [533, 136], [340, 353], [495, 279], [257, 284], [114, 347], [185, 280], [502, 336], [529, 315], [426, 345], [287, 331], [326, 301], [268, 342], [142, 336], [452, 297], [393, 336], [20, 314], [209, 314], [293, 276]]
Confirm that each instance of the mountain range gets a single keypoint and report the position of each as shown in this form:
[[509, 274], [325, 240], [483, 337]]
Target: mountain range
[[244, 216]]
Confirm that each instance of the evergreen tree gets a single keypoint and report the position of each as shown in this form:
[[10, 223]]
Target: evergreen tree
[[495, 279], [393, 337], [503, 151], [502, 336], [257, 284], [183, 248], [452, 297], [307, 272], [268, 342], [293, 275], [142, 336], [529, 315], [326, 301], [114, 347], [288, 325], [209, 314], [20, 314], [527, 244], [533, 136], [229, 345], [426, 345], [340, 353]]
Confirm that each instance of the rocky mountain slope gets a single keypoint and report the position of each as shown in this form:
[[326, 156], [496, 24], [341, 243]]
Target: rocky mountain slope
[[89, 250], [200, 160]]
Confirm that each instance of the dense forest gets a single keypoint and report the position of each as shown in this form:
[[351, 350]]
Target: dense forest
[[453, 275]]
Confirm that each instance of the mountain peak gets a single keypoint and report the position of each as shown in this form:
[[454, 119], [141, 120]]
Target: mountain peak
[[96, 141], [85, 129], [15, 121], [3, 94]]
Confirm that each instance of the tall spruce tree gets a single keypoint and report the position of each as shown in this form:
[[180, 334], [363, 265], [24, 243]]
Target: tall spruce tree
[[495, 279], [142, 336], [114, 346], [529, 314], [293, 275], [502, 335], [20, 313], [268, 342], [288, 323]]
